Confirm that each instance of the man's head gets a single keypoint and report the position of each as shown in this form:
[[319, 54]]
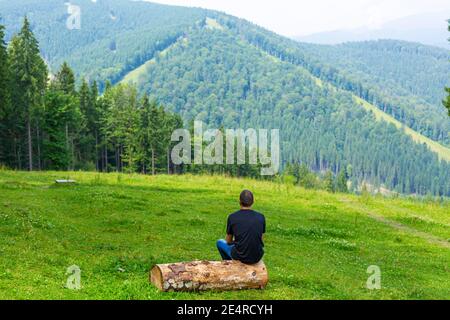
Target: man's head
[[246, 199]]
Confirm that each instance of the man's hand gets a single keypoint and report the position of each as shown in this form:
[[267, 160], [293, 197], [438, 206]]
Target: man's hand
[[229, 239]]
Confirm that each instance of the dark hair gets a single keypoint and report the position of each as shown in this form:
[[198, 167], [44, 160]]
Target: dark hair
[[246, 198]]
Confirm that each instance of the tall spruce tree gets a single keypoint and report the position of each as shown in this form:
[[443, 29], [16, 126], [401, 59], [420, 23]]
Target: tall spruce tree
[[145, 134], [447, 101], [93, 122], [29, 80], [341, 181], [60, 110], [86, 139], [4, 100], [65, 79], [156, 132], [64, 83]]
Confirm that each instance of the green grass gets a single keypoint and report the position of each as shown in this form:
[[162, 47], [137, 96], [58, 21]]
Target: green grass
[[136, 76], [115, 227]]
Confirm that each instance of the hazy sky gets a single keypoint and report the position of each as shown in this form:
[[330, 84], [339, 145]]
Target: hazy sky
[[302, 17]]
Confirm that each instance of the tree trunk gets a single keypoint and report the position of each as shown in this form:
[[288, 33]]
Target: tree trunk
[[121, 158], [16, 153], [97, 161], [106, 158], [67, 145], [209, 275], [117, 159], [30, 146], [168, 161], [72, 152], [38, 146], [153, 161]]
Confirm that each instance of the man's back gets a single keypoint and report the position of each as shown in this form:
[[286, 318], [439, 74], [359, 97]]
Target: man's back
[[247, 227]]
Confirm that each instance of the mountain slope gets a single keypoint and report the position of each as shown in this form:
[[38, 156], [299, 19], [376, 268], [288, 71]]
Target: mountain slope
[[196, 77], [226, 71], [403, 79], [115, 36], [142, 75]]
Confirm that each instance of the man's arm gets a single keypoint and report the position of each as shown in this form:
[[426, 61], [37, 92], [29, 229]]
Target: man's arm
[[229, 238]]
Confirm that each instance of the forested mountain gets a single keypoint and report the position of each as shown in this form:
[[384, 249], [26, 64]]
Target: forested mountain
[[115, 36], [229, 72], [403, 79]]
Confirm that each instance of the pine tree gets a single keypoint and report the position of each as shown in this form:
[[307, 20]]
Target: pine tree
[[86, 138], [122, 126], [5, 111], [105, 104], [29, 77], [155, 133], [328, 181], [93, 120], [131, 121], [64, 83], [447, 101], [65, 79], [341, 181], [60, 110], [145, 133]]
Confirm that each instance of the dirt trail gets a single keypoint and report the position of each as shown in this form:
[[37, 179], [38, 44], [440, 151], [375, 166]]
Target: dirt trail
[[399, 226]]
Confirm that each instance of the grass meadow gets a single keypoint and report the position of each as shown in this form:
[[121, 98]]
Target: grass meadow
[[116, 226]]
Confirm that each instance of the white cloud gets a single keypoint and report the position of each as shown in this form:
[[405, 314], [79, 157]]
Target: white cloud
[[301, 17]]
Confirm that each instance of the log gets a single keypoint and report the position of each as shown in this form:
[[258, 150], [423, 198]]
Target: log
[[209, 275], [65, 181]]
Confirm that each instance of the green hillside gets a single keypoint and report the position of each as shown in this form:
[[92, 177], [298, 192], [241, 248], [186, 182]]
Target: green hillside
[[403, 79], [115, 35], [442, 151], [115, 227], [320, 125]]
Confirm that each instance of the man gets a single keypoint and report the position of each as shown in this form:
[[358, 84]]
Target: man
[[245, 232]]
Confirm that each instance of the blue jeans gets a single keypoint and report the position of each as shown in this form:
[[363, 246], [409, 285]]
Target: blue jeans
[[225, 249]]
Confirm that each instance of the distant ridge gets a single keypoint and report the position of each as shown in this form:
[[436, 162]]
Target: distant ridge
[[428, 28]]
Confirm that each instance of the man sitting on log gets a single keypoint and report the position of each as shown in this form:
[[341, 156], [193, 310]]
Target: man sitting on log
[[245, 232]]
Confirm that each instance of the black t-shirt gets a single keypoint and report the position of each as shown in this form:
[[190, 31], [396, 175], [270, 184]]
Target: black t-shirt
[[247, 227]]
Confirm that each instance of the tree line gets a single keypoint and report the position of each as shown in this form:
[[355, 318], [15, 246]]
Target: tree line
[[446, 102], [50, 123], [47, 123], [237, 85]]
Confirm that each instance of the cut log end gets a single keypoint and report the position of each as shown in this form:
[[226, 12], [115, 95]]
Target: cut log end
[[209, 275], [156, 277]]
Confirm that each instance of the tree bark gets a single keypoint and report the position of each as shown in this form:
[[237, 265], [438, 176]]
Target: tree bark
[[30, 145], [67, 146], [97, 161], [153, 161], [209, 275], [38, 146], [168, 161], [106, 158]]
